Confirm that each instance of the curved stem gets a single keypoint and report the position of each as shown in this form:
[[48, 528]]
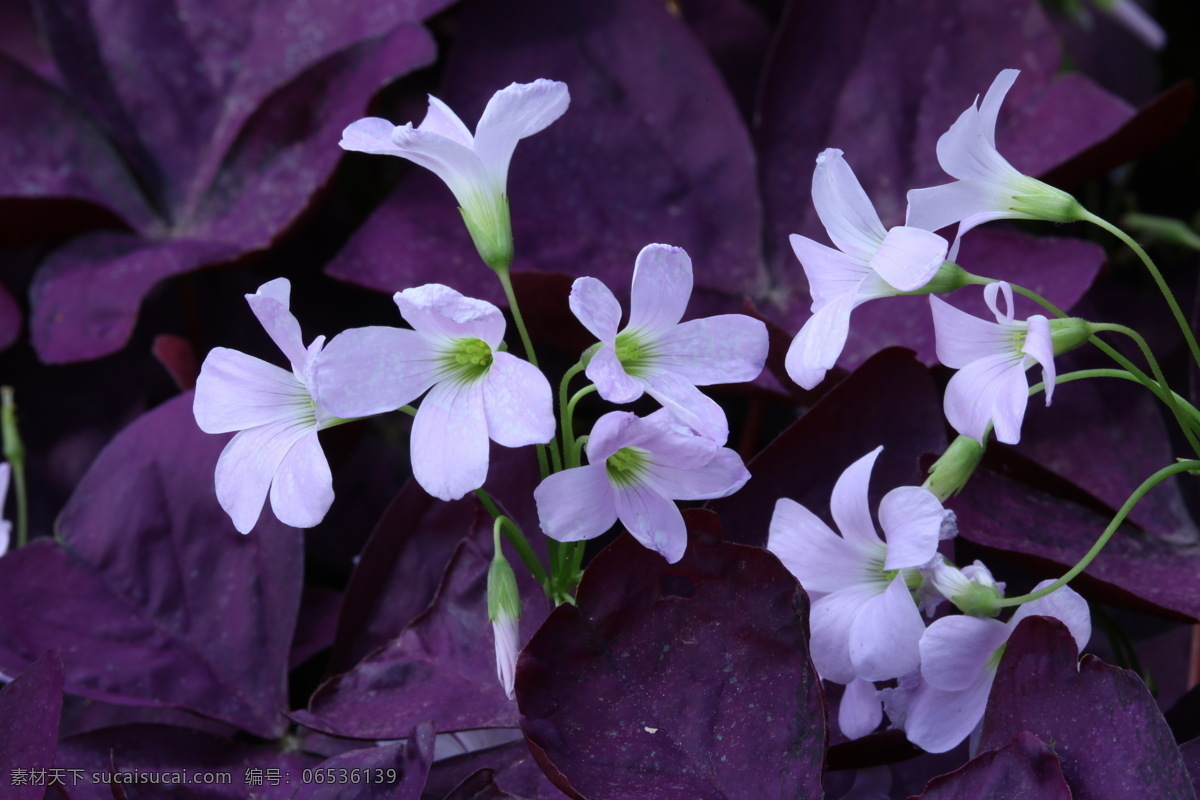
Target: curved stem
[[1176, 311], [565, 409], [1138, 494], [1167, 396], [514, 535], [1068, 377]]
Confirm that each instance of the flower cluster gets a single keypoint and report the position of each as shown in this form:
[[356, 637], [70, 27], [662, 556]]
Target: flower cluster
[[868, 597], [872, 262]]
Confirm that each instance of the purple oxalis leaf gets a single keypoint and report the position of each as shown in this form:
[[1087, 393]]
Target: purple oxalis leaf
[[215, 156], [441, 668], [804, 461], [652, 149], [1048, 523], [508, 767], [862, 76], [211, 767], [167, 604], [1101, 721], [687, 680], [29, 709], [1024, 768], [1191, 760], [410, 759]]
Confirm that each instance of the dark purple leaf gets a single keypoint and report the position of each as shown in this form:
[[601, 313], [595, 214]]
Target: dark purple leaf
[[652, 149], [863, 76], [688, 680], [51, 150], [167, 604], [737, 36], [228, 770], [401, 566], [1024, 768], [408, 761], [441, 668], [29, 709], [1026, 511], [1191, 760], [1104, 726], [480, 785], [86, 295], [315, 629], [846, 424], [509, 767]]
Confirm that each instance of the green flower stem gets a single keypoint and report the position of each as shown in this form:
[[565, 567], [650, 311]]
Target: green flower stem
[[1167, 396], [517, 539], [565, 409], [14, 454], [1167, 229], [1134, 499], [1176, 311], [1066, 377], [580, 443]]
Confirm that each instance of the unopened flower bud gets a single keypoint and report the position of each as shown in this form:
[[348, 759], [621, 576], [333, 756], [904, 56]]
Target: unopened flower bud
[[972, 590], [950, 473], [504, 610]]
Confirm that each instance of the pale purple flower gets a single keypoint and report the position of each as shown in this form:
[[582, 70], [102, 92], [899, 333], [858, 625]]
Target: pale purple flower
[[656, 353], [474, 167], [959, 658], [864, 621], [504, 610], [860, 710], [477, 392], [988, 187], [637, 468], [507, 633], [277, 419], [870, 262], [990, 387], [5, 525]]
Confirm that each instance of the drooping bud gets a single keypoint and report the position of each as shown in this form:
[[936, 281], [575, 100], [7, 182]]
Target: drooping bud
[[504, 611], [950, 473]]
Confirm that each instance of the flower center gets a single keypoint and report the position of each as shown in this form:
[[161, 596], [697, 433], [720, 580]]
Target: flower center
[[634, 352], [469, 359], [626, 466]]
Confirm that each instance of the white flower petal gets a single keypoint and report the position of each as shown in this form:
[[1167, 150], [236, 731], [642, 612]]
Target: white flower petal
[[967, 151], [365, 371], [963, 338], [235, 391], [938, 721], [829, 623], [438, 313], [613, 383], [458, 166], [956, 649], [908, 258], [730, 348], [441, 120], [450, 441], [911, 518], [844, 208], [517, 111], [370, 135], [816, 348], [850, 507], [723, 475], [1040, 347], [247, 466], [820, 559], [689, 405], [594, 305], [831, 273], [507, 634], [662, 286], [270, 305], [860, 711], [1065, 605], [653, 520], [517, 402], [576, 504], [885, 635], [992, 389], [970, 203], [614, 430], [302, 487]]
